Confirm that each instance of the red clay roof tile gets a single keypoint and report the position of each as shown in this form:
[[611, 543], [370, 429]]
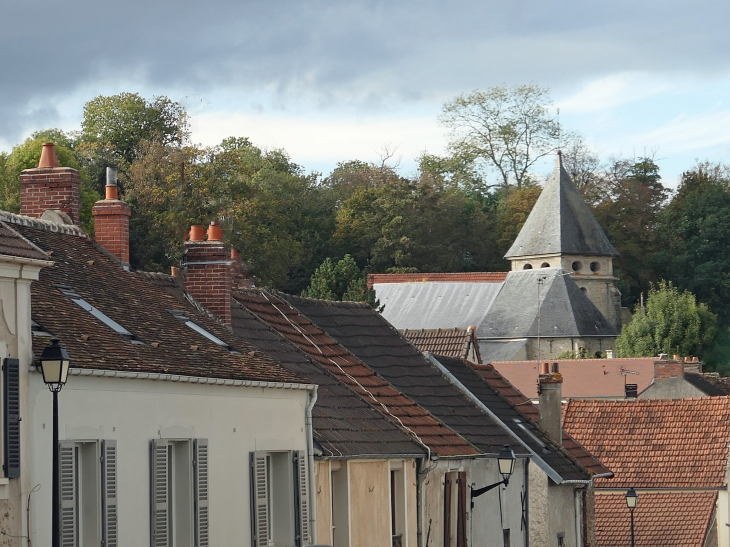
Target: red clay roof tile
[[455, 277]]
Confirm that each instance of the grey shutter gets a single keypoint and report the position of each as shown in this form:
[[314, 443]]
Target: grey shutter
[[259, 499], [201, 492], [68, 471], [109, 493], [159, 502], [301, 497], [11, 418]]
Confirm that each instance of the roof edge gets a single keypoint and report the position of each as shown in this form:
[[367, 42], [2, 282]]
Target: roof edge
[[40, 224]]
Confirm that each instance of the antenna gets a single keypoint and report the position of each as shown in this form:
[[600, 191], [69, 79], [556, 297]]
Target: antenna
[[560, 142]]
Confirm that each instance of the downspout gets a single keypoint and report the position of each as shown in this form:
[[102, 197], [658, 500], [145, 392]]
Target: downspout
[[310, 463], [527, 502]]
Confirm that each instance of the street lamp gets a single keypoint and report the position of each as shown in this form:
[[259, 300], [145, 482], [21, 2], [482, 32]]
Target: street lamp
[[506, 463], [632, 500], [54, 363]]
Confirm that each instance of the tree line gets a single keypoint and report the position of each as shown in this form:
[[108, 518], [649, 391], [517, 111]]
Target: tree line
[[322, 233]]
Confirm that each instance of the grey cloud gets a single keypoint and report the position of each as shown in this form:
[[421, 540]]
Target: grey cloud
[[365, 52]]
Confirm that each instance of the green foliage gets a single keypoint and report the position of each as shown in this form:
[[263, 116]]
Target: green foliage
[[673, 323], [342, 281], [26, 156]]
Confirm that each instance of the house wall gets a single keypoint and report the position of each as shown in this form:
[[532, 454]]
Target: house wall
[[15, 342], [552, 348], [235, 420], [671, 388], [554, 509], [723, 518], [493, 512], [367, 499]]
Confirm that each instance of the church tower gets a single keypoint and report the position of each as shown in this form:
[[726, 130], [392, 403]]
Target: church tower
[[562, 232]]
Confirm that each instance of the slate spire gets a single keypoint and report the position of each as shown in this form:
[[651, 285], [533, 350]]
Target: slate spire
[[561, 223]]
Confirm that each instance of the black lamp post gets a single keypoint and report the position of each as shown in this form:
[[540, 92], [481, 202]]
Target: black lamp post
[[54, 367], [632, 500], [506, 462]]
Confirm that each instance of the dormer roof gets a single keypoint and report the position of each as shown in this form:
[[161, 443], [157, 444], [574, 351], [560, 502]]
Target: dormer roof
[[561, 223]]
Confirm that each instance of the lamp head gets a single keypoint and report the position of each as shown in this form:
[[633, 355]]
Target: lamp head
[[632, 498], [506, 461], [54, 364]]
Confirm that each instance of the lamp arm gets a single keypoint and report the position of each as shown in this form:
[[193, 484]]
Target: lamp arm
[[476, 492]]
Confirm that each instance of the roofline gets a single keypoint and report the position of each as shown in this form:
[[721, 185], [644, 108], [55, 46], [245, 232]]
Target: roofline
[[375, 457], [186, 379], [26, 261], [549, 471]]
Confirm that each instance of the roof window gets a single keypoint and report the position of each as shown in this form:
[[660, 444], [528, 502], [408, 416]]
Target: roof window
[[37, 330], [180, 316], [101, 316]]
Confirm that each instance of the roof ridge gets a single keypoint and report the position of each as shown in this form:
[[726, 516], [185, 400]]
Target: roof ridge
[[40, 224]]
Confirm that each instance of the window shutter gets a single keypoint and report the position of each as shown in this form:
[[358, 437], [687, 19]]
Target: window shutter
[[259, 499], [11, 420], [301, 498], [201, 492], [67, 462], [461, 520], [447, 509], [159, 501], [109, 493]]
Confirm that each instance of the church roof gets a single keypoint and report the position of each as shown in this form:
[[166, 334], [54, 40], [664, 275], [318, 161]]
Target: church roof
[[561, 223], [565, 311]]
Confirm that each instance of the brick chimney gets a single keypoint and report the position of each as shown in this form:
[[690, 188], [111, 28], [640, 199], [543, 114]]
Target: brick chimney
[[50, 187], [668, 368], [111, 220], [209, 275], [550, 388]]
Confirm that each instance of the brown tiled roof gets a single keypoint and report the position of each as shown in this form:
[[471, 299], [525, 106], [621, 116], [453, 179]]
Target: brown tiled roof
[[671, 519], [344, 424], [462, 277], [450, 342], [583, 378], [351, 371], [523, 405], [169, 346], [13, 244], [655, 443]]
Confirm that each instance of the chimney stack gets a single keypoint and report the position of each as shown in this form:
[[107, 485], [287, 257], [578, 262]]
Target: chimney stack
[[50, 187], [208, 266], [111, 220], [668, 368], [550, 387]]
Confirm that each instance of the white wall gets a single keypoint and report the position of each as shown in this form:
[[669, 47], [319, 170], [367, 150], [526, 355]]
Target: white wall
[[235, 420]]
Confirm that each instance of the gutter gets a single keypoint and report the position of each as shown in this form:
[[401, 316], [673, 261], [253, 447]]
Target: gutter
[[549, 471], [184, 379], [310, 464], [27, 261], [375, 457]]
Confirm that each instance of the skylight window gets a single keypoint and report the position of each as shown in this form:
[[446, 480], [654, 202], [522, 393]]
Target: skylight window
[[101, 316], [37, 330], [180, 316]]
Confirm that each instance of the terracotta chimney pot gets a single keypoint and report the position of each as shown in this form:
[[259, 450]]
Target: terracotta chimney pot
[[197, 232], [235, 254], [48, 156], [677, 357], [215, 232]]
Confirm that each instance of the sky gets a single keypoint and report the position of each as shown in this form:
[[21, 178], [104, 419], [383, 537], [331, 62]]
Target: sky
[[333, 81]]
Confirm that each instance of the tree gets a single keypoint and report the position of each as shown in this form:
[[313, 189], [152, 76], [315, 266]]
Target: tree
[[583, 166], [508, 128], [673, 323], [512, 211], [342, 281]]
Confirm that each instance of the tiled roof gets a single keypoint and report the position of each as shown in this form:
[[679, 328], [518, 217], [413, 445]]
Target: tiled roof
[[583, 378], [169, 346], [463, 277], [348, 369], [13, 244], [507, 403], [450, 342], [655, 443], [343, 423], [377, 343], [515, 398], [671, 519], [714, 387]]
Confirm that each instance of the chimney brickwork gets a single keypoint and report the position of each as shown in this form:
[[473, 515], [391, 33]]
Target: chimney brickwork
[[550, 388], [111, 221], [50, 188], [668, 368], [209, 272]]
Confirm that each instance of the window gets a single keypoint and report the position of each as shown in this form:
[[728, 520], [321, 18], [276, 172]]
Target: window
[[455, 511], [88, 493], [397, 504], [506, 537], [595, 266], [545, 265], [11, 418], [527, 267], [101, 316], [179, 493], [180, 316], [279, 499], [577, 266]]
